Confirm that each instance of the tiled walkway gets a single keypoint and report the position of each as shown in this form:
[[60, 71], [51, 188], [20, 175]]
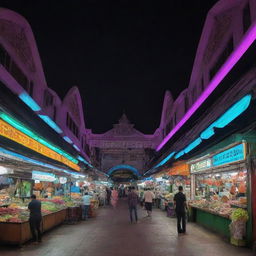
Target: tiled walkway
[[111, 234]]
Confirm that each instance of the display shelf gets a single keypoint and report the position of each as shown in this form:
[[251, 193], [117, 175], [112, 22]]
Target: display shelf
[[212, 221], [210, 211], [238, 206]]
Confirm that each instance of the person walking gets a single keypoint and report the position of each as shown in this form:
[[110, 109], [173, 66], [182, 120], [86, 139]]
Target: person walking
[[114, 197], [148, 198], [35, 219], [133, 200], [180, 204], [108, 195], [86, 205]]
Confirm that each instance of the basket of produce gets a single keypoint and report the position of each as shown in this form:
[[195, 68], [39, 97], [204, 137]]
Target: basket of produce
[[237, 227]]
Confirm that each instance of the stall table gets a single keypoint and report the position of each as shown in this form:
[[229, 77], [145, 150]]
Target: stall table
[[19, 233]]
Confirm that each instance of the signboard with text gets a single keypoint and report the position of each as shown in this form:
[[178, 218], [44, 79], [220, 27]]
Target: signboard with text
[[43, 176], [234, 154], [201, 165]]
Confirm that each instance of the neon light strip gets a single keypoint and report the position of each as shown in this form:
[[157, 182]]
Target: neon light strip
[[76, 147], [13, 122], [84, 161], [51, 123], [30, 160], [67, 139], [247, 41], [29, 101], [165, 160]]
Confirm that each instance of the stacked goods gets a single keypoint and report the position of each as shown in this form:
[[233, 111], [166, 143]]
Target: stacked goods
[[13, 215], [217, 207], [18, 212], [237, 227], [4, 199]]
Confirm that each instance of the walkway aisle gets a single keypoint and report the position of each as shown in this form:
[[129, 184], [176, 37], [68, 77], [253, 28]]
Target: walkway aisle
[[111, 234]]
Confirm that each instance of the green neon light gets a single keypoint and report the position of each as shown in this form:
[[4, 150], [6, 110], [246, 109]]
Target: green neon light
[[34, 136]]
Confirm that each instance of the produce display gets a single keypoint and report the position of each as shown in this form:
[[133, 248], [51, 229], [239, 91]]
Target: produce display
[[4, 199], [221, 193], [237, 227], [18, 212], [224, 209]]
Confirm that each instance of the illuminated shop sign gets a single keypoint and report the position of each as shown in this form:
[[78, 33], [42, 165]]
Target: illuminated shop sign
[[12, 133], [202, 165], [234, 154], [4, 170], [43, 176], [63, 180]]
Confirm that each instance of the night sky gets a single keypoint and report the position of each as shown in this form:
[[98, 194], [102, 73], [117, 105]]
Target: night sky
[[123, 55]]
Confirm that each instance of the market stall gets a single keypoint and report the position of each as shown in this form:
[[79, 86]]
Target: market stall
[[219, 186], [15, 191]]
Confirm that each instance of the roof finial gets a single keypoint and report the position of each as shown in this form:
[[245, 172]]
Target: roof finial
[[124, 119]]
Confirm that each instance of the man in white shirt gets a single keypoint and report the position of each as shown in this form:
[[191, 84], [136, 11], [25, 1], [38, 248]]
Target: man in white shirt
[[148, 197], [86, 205]]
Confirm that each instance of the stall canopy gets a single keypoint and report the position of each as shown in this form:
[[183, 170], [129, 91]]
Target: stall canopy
[[161, 174], [179, 168]]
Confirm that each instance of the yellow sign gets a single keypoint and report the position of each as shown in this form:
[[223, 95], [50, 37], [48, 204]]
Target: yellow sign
[[12, 133]]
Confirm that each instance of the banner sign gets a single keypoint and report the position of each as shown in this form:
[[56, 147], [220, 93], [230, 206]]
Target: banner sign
[[12, 133], [234, 154], [43, 176], [201, 165]]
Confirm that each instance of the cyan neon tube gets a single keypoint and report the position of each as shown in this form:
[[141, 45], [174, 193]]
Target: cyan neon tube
[[246, 42]]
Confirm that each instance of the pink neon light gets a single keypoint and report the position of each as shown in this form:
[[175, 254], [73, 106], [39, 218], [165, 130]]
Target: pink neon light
[[249, 38]]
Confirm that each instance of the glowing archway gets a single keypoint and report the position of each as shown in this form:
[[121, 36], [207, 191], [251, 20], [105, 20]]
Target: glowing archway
[[123, 166]]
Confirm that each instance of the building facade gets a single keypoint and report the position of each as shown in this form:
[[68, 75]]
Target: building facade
[[122, 147]]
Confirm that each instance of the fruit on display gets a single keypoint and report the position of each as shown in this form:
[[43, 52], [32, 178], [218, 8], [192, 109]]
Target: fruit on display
[[237, 227], [4, 197], [239, 215], [13, 215], [18, 212]]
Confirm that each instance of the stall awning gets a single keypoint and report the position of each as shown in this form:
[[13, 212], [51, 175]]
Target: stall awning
[[161, 174], [179, 168]]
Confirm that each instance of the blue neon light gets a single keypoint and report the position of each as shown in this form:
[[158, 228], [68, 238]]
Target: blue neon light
[[29, 101], [123, 166], [84, 161], [165, 160], [148, 178], [179, 154], [51, 123], [192, 145], [231, 114], [67, 139], [208, 132], [76, 147]]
